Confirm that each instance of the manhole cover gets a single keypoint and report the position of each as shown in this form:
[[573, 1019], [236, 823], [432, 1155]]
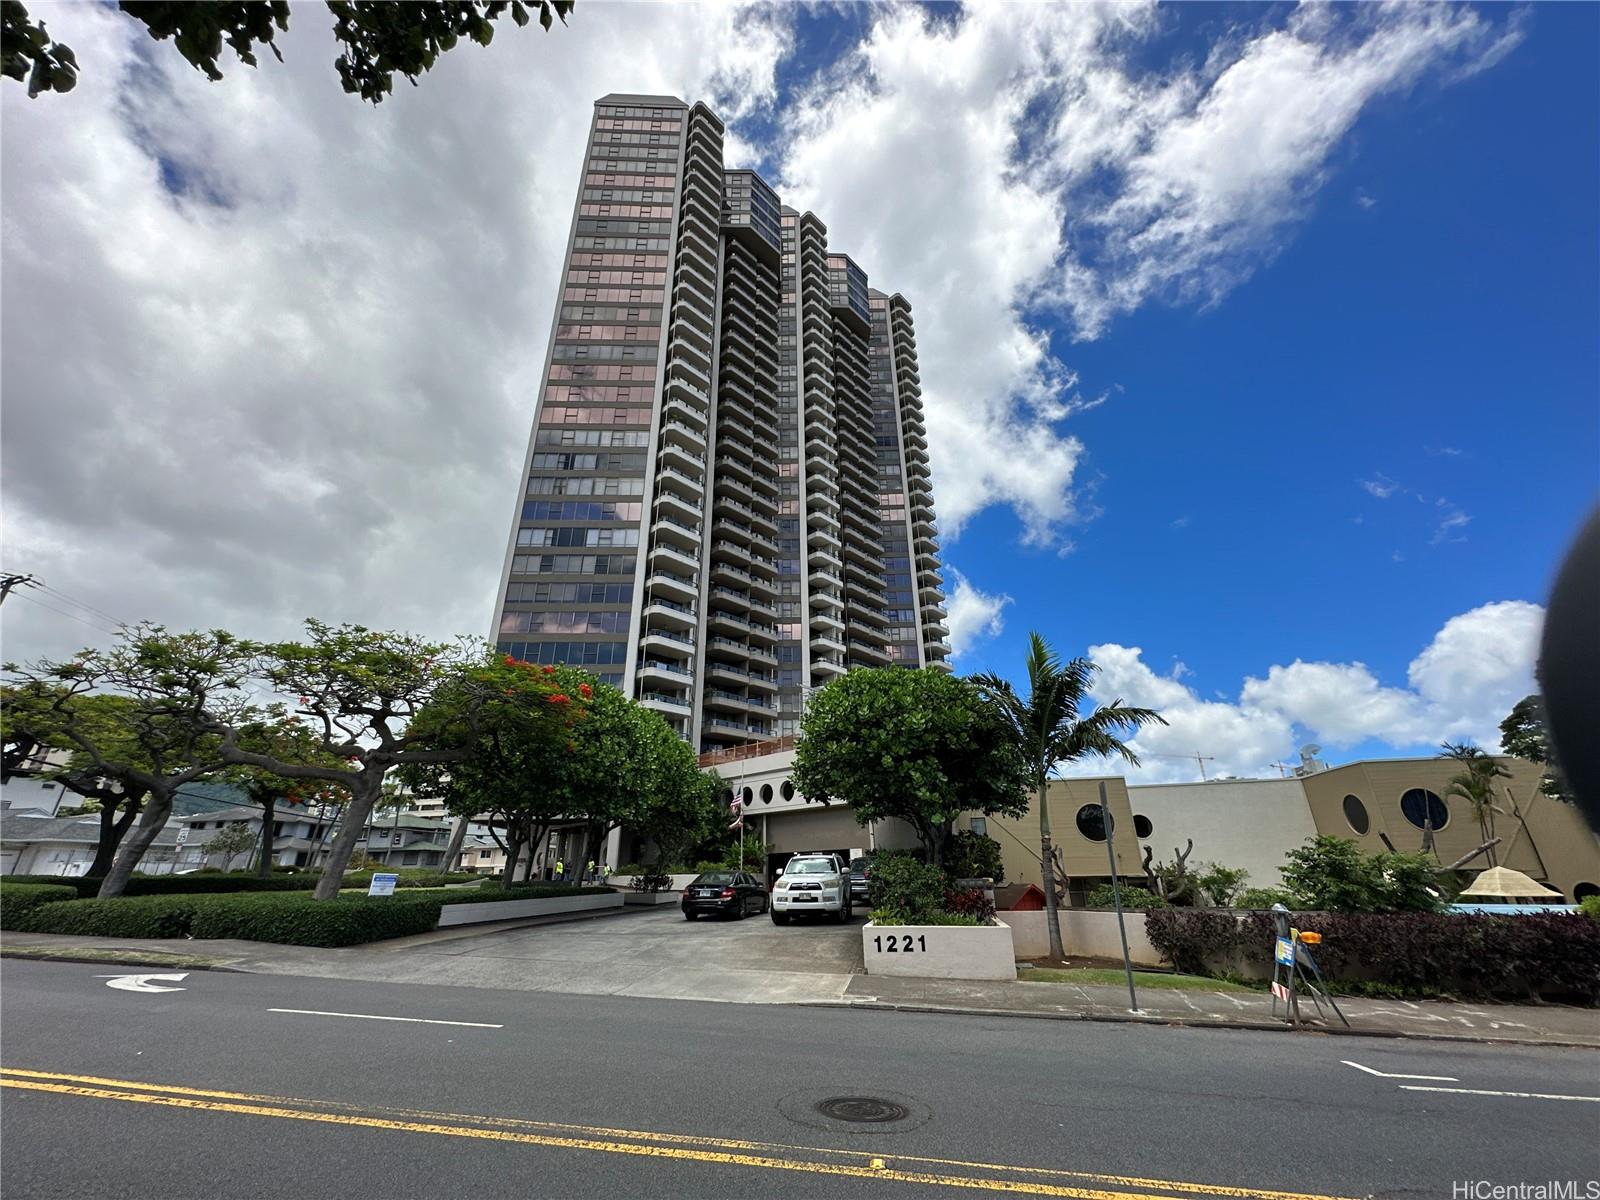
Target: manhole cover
[[877, 1112], [862, 1110]]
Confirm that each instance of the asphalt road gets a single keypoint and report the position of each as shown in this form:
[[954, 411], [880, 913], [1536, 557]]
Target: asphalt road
[[206, 1092]]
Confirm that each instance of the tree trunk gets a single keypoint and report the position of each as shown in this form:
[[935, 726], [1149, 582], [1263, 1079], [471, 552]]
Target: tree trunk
[[365, 789], [516, 836], [154, 818], [264, 860], [452, 852], [114, 823], [1047, 867]]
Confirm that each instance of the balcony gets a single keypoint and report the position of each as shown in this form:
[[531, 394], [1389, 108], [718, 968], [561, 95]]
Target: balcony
[[667, 643], [659, 612], [660, 670], [682, 588], [670, 530]]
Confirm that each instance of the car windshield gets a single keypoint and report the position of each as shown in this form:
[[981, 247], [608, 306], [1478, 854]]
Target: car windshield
[[860, 864], [810, 866], [719, 878]]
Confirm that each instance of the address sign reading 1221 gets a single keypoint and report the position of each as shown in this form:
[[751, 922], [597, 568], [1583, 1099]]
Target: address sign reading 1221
[[909, 943]]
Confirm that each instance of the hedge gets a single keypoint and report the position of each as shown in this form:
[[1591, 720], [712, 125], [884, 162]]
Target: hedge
[[294, 919], [87, 887], [1479, 955], [19, 899], [291, 918]]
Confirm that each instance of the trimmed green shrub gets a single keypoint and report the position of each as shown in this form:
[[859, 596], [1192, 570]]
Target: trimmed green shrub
[[1589, 906], [974, 856], [523, 891], [204, 882], [292, 919], [1331, 874], [905, 888], [1478, 955], [126, 916], [19, 899], [1132, 898], [1266, 897]]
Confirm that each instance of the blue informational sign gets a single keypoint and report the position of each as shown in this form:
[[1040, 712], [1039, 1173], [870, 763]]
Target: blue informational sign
[[382, 885], [1285, 953]]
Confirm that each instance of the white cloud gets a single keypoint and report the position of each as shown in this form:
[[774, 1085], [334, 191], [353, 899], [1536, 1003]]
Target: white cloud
[[1381, 487], [313, 396], [1460, 686], [1018, 161], [973, 614]]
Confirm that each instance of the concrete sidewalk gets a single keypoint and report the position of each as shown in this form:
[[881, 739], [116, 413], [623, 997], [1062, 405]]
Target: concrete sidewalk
[[1545, 1024], [596, 955]]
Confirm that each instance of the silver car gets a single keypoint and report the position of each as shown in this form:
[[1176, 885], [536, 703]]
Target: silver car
[[812, 884]]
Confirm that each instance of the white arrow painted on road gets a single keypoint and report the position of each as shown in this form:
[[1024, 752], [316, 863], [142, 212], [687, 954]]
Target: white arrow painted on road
[[1387, 1075], [141, 983]]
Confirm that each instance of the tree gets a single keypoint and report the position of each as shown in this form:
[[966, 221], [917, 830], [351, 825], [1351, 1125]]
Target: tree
[[1330, 874], [176, 690], [917, 745], [1047, 731], [1475, 785], [231, 841], [1222, 885], [284, 736], [378, 39], [1525, 734], [360, 691], [31, 718]]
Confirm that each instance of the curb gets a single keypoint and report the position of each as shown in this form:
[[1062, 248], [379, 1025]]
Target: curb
[[1175, 1022], [85, 957]]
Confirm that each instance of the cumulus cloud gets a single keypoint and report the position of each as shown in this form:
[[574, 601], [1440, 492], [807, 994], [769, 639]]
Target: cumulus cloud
[[1459, 687], [974, 614], [1020, 163], [270, 351]]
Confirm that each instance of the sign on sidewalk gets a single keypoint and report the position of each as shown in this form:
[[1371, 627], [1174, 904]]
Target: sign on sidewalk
[[382, 885]]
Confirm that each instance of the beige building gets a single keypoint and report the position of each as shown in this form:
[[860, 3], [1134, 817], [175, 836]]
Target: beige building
[[1249, 823]]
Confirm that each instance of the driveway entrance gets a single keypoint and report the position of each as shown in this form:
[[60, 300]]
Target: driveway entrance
[[660, 954]]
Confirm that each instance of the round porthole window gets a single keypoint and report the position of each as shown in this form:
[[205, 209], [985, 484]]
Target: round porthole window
[[1424, 809], [747, 796], [766, 793], [1355, 814], [787, 790], [1142, 826], [1091, 823], [1583, 891]]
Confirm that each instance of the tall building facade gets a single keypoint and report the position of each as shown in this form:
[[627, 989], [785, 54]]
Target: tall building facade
[[726, 499]]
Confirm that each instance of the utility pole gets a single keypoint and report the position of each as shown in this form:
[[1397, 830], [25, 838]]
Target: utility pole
[[7, 582]]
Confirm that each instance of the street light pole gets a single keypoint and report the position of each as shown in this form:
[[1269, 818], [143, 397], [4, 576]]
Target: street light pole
[[1116, 895]]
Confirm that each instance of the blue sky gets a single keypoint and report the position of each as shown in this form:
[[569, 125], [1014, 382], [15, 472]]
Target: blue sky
[[1257, 342]]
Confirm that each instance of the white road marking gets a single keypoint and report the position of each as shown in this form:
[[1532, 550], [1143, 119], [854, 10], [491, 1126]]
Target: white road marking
[[1411, 1087], [1387, 1075], [141, 983], [314, 1012]]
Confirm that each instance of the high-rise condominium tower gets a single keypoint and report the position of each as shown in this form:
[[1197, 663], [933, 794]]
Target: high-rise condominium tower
[[726, 501]]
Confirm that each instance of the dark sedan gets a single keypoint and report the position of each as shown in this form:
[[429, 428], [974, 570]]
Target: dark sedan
[[729, 893], [860, 877]]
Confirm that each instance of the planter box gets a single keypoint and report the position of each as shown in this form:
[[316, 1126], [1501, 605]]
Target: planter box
[[648, 898], [939, 951], [1084, 932], [511, 910], [625, 882]]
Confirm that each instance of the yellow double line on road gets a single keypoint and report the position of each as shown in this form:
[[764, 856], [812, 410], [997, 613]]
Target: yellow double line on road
[[776, 1156]]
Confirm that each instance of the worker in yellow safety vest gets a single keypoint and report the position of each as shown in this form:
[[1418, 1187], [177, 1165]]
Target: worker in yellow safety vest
[[561, 869]]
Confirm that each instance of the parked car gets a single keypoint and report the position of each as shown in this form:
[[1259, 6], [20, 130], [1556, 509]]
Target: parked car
[[727, 893], [860, 874], [812, 884]]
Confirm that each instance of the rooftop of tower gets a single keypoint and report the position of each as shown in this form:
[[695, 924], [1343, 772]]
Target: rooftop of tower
[[651, 101]]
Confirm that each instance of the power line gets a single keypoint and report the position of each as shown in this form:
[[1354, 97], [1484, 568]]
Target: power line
[[99, 612], [63, 612], [8, 582]]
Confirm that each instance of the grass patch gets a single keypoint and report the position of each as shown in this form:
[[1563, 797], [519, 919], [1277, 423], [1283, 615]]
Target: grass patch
[[1144, 979]]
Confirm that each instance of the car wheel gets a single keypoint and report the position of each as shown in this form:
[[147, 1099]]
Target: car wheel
[[779, 918], [688, 916], [837, 916]]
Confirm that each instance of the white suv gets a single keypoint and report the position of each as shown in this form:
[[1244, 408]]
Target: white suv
[[812, 883]]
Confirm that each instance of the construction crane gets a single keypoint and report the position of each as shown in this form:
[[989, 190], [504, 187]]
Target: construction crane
[[1200, 759]]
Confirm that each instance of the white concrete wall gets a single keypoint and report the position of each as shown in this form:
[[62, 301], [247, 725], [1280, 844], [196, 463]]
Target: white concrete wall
[[1248, 823], [1085, 932], [939, 951], [510, 910]]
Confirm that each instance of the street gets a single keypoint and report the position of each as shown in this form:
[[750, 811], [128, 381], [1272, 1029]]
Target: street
[[276, 1086]]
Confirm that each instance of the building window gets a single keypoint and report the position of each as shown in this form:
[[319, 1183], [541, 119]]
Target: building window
[[1424, 809], [980, 826], [766, 793], [1355, 814], [787, 790], [1142, 826], [1091, 823]]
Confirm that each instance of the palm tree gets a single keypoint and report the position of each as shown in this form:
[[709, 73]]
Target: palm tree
[[1049, 732], [1475, 785]]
